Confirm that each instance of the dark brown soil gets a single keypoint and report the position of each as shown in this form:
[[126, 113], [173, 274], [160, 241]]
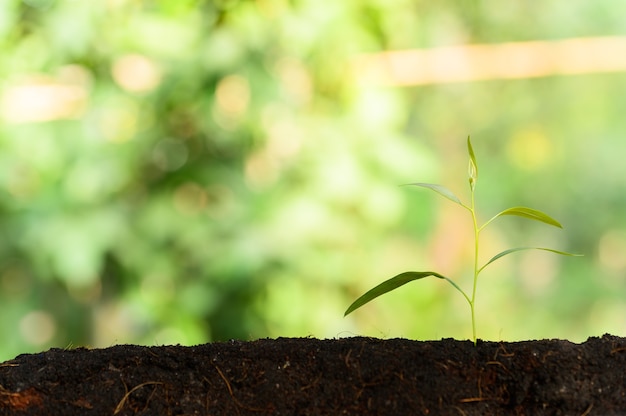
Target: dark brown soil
[[306, 376]]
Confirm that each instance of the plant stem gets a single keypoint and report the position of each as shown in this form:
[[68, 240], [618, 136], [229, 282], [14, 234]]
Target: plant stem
[[476, 271]]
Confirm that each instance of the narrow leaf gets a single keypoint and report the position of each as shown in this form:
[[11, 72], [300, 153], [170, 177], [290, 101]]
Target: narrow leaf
[[441, 190], [473, 166], [530, 213], [512, 250], [388, 286]]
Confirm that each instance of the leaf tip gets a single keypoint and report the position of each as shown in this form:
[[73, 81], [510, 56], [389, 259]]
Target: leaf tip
[[473, 166]]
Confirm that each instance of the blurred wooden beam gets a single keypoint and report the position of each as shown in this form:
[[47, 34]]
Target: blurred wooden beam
[[498, 61]]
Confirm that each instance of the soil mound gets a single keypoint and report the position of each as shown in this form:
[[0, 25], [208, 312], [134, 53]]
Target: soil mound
[[307, 376]]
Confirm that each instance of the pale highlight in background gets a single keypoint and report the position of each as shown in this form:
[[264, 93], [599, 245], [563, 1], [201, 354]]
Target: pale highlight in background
[[498, 61], [43, 97]]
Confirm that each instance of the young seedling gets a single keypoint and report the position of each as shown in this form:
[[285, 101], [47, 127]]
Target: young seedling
[[406, 277]]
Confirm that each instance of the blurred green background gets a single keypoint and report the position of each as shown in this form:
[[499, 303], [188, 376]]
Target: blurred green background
[[192, 171]]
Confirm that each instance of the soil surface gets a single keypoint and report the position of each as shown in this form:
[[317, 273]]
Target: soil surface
[[307, 376]]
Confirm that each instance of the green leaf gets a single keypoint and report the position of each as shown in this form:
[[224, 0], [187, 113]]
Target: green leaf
[[441, 190], [388, 286], [512, 250], [473, 166], [530, 213]]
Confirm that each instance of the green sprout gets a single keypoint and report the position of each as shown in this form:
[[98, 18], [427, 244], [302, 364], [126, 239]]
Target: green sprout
[[406, 277]]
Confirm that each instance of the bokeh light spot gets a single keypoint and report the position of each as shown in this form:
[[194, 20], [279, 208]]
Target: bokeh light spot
[[136, 73], [530, 149], [232, 97], [42, 98], [170, 155], [295, 79], [190, 198], [611, 249], [37, 327]]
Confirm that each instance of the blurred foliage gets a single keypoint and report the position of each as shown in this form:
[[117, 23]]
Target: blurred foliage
[[189, 171]]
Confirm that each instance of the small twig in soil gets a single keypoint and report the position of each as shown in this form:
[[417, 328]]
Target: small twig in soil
[[122, 402], [474, 399], [498, 363], [313, 383], [230, 390], [460, 411], [232, 396], [588, 410], [505, 353]]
